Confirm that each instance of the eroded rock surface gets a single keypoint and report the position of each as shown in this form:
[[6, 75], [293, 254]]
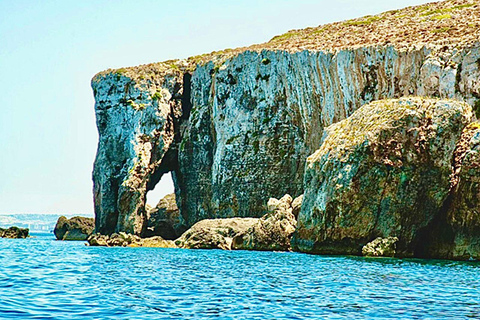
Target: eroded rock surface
[[123, 239], [273, 231], [75, 228], [383, 172], [380, 247], [215, 233], [14, 233], [455, 234], [257, 114], [464, 212], [270, 232], [260, 113], [224, 121], [136, 112], [164, 219]]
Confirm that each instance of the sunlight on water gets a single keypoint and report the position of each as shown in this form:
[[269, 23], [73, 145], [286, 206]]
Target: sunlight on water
[[41, 278]]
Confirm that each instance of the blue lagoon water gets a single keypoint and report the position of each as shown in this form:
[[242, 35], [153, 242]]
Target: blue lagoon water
[[41, 278]]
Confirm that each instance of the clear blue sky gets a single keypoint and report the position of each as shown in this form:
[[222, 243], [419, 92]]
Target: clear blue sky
[[49, 51]]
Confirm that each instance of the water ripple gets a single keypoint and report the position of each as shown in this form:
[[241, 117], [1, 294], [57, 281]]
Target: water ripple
[[41, 278]]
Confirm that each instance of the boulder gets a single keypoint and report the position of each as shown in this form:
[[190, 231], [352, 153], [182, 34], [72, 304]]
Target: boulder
[[14, 233], [214, 233], [76, 228], [273, 231], [270, 232], [380, 247], [165, 220], [382, 172]]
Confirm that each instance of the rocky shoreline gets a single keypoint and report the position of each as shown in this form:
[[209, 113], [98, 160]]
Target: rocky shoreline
[[381, 139], [391, 170], [271, 232]]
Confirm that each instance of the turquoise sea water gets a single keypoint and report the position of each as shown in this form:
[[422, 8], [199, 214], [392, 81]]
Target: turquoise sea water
[[41, 278]]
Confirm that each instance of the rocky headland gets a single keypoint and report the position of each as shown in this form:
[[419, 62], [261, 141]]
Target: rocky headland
[[372, 119]]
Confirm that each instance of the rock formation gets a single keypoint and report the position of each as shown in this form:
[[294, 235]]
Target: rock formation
[[455, 234], [165, 220], [75, 228], [215, 233], [123, 239], [382, 172], [14, 233], [463, 214], [136, 112], [226, 121], [380, 247], [273, 231]]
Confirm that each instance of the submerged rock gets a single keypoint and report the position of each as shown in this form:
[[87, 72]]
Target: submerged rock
[[76, 228], [380, 247], [14, 233], [270, 232], [165, 220], [382, 172]]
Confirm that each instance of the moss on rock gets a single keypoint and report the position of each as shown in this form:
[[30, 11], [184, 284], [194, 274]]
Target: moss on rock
[[382, 172]]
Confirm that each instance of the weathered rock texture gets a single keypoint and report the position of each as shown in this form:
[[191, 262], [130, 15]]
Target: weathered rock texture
[[14, 233], [136, 112], [383, 172], [455, 234], [214, 233], [75, 228], [380, 247], [464, 212], [165, 220], [123, 239], [273, 231], [235, 127]]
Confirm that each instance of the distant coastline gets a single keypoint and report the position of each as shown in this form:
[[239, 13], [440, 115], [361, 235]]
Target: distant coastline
[[36, 222]]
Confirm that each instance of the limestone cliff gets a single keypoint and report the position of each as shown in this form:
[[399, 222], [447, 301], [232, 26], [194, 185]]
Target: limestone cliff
[[136, 111], [235, 127]]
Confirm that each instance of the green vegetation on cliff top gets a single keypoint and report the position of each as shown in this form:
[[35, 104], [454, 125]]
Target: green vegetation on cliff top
[[452, 22]]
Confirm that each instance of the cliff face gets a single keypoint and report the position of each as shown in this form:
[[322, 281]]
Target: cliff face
[[256, 117], [136, 114], [248, 124], [235, 128]]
